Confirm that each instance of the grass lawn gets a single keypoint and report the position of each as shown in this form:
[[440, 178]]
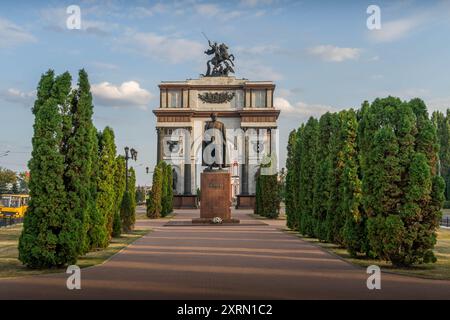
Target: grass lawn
[[141, 214], [11, 267], [439, 270]]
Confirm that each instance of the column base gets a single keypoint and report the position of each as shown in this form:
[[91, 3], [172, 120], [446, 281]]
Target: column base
[[185, 202], [245, 201]]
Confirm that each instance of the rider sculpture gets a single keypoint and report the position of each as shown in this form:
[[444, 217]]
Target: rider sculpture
[[222, 62]]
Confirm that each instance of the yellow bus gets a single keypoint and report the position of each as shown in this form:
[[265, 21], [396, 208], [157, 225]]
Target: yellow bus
[[13, 205]]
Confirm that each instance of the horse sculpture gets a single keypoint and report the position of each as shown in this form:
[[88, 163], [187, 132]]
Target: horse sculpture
[[221, 65]]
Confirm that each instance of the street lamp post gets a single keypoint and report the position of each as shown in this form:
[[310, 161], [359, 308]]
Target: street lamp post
[[133, 156]]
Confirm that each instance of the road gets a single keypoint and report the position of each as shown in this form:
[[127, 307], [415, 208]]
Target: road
[[253, 260]]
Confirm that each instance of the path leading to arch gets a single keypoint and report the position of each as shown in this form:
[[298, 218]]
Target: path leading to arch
[[252, 260]]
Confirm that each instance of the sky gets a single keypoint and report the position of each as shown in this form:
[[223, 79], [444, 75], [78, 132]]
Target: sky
[[320, 54]]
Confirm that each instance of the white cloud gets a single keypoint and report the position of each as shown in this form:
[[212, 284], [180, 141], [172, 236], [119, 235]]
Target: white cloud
[[128, 94], [216, 12], [12, 35], [394, 30], [209, 10], [165, 48], [257, 70], [257, 50], [255, 3], [334, 54], [142, 12], [302, 109], [17, 96], [438, 104]]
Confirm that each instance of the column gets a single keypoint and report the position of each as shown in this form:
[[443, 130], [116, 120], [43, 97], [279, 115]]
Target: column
[[159, 145], [244, 178], [187, 164]]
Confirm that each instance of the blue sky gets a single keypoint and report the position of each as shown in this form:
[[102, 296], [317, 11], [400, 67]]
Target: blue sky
[[320, 54]]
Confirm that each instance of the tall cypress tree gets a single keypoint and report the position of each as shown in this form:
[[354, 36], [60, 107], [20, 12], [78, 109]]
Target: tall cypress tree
[[442, 124], [80, 154], [128, 207], [169, 191], [49, 237], [352, 233], [290, 180], [166, 197], [322, 177], [154, 205], [307, 171], [402, 193], [44, 90], [426, 187], [98, 236], [105, 180], [119, 187], [297, 181]]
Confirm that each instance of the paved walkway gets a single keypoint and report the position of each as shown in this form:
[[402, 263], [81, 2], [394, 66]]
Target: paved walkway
[[252, 260]]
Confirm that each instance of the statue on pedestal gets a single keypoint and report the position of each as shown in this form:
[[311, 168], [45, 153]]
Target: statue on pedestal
[[214, 145]]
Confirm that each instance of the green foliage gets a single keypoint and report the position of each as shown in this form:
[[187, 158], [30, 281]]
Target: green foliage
[[400, 153], [128, 207], [442, 124], [117, 224], [7, 177], [308, 147], [79, 149], [127, 212], [98, 236], [267, 196], [154, 205], [140, 195], [167, 192], [50, 233], [106, 194], [119, 188], [370, 180]]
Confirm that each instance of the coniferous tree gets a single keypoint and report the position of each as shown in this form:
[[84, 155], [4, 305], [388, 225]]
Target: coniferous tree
[[322, 177], [98, 236], [400, 181], [167, 193], [44, 91], [105, 181], [352, 223], [290, 187], [169, 189], [127, 212], [426, 187], [129, 205], [119, 188], [442, 124], [267, 196], [49, 237], [297, 181], [154, 205], [308, 142], [80, 153]]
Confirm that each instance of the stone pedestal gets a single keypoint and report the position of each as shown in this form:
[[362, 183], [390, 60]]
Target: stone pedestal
[[245, 202], [215, 197], [185, 202]]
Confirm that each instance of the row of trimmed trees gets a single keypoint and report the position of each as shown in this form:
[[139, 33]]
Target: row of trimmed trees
[[160, 197], [77, 182], [368, 180], [442, 123]]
